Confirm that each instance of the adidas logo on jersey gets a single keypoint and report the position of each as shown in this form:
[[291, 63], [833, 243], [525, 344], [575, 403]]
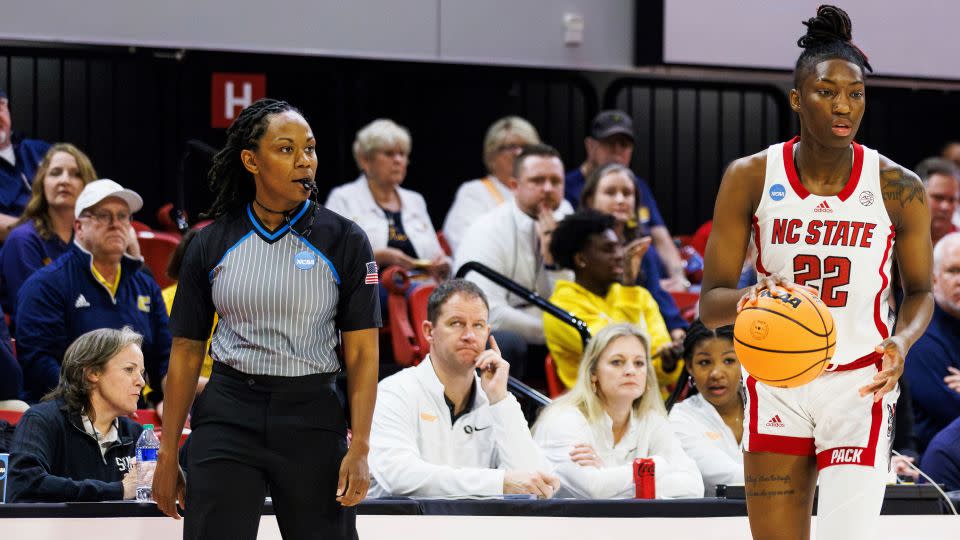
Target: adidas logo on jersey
[[823, 207], [81, 302], [775, 421]]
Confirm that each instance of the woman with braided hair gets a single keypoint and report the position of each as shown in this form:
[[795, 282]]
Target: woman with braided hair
[[709, 422], [290, 281], [824, 212]]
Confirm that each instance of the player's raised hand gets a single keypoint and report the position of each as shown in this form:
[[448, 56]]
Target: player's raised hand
[[893, 349], [776, 284]]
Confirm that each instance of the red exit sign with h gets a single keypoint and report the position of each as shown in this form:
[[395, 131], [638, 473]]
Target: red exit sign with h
[[230, 93]]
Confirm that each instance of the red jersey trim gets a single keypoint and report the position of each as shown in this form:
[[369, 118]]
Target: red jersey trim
[[855, 455], [777, 444], [756, 241], [885, 280], [872, 359], [794, 178]]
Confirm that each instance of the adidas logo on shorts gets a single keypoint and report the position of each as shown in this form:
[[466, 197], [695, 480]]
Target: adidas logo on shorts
[[775, 421]]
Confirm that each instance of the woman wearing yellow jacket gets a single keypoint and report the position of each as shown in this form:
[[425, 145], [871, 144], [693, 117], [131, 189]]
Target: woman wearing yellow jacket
[[587, 243]]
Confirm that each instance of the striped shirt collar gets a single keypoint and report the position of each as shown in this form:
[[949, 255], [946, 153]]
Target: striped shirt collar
[[275, 235]]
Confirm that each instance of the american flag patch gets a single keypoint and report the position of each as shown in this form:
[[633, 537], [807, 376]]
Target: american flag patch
[[372, 278]]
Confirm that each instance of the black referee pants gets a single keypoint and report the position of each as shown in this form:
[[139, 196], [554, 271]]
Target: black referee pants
[[251, 431]]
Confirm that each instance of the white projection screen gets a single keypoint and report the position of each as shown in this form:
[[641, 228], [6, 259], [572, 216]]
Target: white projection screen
[[914, 38]]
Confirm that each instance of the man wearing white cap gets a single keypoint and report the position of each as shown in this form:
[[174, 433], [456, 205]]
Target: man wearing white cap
[[96, 284]]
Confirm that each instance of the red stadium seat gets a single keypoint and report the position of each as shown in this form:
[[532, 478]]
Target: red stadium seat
[[140, 226], [148, 416], [405, 344], [406, 314], [687, 303], [555, 386], [418, 313], [11, 416], [156, 248], [683, 239], [444, 245], [165, 220]]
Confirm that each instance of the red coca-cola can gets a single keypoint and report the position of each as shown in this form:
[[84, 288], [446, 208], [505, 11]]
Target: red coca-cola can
[[644, 478]]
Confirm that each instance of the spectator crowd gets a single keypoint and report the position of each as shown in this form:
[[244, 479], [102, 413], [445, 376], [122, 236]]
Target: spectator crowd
[[85, 342]]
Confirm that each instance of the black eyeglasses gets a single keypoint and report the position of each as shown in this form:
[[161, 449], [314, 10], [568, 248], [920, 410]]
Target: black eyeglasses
[[103, 217]]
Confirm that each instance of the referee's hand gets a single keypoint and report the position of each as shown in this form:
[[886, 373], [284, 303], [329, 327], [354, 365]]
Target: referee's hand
[[169, 486], [354, 478]]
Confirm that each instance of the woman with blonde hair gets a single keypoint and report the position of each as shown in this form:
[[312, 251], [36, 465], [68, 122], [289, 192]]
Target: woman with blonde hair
[[45, 229], [395, 219], [502, 144], [612, 416]]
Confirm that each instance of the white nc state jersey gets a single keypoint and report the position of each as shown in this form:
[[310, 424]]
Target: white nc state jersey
[[841, 245]]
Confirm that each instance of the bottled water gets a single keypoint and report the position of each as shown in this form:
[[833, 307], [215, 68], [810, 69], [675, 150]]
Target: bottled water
[[147, 446]]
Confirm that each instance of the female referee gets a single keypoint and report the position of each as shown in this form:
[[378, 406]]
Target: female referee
[[285, 276], [824, 212]]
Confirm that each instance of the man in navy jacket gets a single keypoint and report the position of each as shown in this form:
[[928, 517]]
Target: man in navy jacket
[[18, 163], [94, 285], [933, 363]]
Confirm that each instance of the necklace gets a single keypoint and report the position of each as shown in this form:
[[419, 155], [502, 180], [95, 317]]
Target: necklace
[[272, 211]]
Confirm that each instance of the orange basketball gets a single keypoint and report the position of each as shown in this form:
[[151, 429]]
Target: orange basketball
[[787, 340]]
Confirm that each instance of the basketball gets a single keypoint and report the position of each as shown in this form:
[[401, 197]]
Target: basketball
[[785, 341]]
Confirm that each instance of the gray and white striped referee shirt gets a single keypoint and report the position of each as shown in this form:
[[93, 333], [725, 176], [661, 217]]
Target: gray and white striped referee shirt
[[282, 295]]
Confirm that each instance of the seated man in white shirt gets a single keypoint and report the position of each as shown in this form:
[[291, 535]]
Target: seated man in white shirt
[[504, 140], [514, 240], [439, 429]]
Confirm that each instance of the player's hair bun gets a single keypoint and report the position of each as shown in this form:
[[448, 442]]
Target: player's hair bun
[[830, 24]]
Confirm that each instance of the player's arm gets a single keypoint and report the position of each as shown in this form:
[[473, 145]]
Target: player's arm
[[727, 245], [906, 204]]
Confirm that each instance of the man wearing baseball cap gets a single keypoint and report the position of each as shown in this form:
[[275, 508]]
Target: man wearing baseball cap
[[19, 158], [611, 140], [97, 283]]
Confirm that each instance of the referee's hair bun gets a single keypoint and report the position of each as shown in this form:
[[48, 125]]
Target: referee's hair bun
[[830, 24]]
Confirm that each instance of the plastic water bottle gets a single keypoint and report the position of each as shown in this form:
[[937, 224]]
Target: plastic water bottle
[[147, 446]]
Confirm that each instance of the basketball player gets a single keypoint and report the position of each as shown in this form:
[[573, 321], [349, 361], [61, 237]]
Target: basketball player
[[824, 212]]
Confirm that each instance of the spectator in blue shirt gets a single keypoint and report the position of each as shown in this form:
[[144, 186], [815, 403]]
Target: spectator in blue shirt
[[941, 461], [44, 230], [933, 363], [611, 140], [18, 163], [96, 284]]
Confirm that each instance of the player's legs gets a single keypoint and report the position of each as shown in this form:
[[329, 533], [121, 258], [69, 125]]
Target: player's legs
[[849, 503], [853, 440], [779, 490]]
